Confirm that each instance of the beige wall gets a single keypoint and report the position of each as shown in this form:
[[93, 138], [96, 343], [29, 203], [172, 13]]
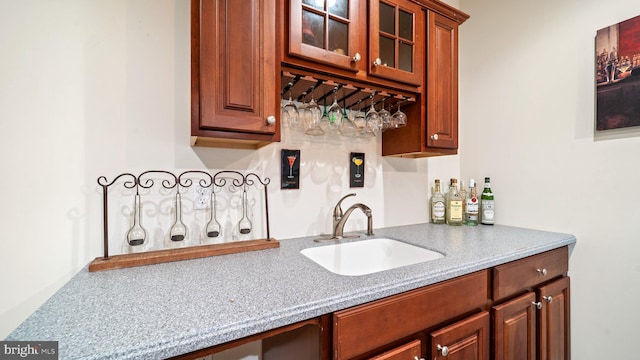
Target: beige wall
[[527, 120]]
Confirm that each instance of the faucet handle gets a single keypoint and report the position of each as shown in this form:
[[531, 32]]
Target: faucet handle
[[337, 210]]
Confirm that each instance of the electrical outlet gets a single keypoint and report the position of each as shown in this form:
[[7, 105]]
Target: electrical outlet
[[201, 197]]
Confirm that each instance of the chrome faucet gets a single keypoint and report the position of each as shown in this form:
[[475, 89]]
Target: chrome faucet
[[340, 218]]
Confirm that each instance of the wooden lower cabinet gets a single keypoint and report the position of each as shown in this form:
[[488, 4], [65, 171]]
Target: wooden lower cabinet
[[514, 328], [553, 327], [514, 311], [467, 339], [410, 351], [533, 325]]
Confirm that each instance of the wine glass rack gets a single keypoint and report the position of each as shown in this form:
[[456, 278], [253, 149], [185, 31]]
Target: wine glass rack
[[354, 96], [226, 180]]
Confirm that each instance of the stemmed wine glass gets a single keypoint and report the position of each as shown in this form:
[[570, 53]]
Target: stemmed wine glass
[[385, 117], [399, 119], [290, 111], [335, 113], [372, 120], [312, 118]]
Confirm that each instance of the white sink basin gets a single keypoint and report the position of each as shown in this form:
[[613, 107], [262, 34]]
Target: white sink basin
[[368, 256]]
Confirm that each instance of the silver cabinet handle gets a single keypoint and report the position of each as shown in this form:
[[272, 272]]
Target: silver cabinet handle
[[538, 305], [443, 350], [377, 62], [416, 358], [271, 119], [357, 57], [434, 137], [543, 271], [549, 299]]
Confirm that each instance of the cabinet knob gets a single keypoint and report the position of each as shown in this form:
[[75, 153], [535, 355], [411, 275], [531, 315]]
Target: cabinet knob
[[443, 350], [271, 119], [543, 272], [377, 62], [538, 305], [357, 57], [549, 299], [434, 137]]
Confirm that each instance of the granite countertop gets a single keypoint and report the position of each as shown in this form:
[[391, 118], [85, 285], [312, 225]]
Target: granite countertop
[[163, 310]]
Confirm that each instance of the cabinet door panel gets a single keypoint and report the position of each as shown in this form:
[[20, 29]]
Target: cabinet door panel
[[554, 321], [465, 340], [405, 352], [442, 82], [396, 40], [234, 83], [327, 31], [514, 324]]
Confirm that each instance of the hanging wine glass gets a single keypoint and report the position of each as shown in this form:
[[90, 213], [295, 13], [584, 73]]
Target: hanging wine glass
[[213, 227], [385, 117], [348, 128], [312, 116], [136, 234], [372, 120], [178, 231], [335, 112], [244, 225], [290, 111], [399, 119], [324, 120]]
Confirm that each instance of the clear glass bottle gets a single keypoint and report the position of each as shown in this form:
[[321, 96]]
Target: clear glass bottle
[[471, 208], [178, 231], [488, 205], [454, 204], [136, 234], [213, 226], [437, 205], [463, 196]]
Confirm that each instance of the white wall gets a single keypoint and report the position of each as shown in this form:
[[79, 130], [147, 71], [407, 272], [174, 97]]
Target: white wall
[[527, 120], [91, 88]]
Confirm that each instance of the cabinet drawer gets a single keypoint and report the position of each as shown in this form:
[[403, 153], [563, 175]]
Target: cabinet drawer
[[366, 327], [520, 275], [404, 352]]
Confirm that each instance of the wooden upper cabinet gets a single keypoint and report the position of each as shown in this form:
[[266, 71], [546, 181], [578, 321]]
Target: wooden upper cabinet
[[442, 82], [396, 40], [234, 78], [328, 32]]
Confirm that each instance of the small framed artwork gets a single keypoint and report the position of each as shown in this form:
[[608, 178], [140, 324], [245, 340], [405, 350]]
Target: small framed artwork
[[290, 169], [356, 169], [618, 75]]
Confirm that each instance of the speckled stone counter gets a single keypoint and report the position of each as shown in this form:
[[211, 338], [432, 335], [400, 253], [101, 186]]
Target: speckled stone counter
[[159, 311]]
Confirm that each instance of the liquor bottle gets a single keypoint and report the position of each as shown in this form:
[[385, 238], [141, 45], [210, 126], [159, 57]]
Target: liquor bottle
[[488, 205], [471, 208], [437, 205], [454, 204], [463, 197]]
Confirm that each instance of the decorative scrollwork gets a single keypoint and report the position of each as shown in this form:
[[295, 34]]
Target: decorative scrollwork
[[184, 180]]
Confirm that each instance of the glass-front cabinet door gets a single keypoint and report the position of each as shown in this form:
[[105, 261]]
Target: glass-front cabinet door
[[396, 40], [328, 31]]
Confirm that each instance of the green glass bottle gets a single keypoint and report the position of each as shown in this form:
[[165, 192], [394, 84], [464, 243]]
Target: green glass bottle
[[488, 204]]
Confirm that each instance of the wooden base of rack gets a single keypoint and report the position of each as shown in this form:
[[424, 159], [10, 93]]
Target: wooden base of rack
[[187, 253]]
